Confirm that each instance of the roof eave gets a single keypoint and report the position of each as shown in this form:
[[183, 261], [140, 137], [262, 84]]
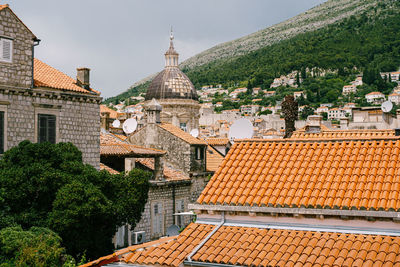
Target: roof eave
[[299, 211]]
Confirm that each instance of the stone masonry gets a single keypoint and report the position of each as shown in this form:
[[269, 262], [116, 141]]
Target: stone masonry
[[19, 72], [163, 193]]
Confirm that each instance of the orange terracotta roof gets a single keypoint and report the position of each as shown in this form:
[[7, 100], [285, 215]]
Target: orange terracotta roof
[[178, 132], [3, 6], [115, 256], [217, 141], [343, 134], [169, 173], [375, 93], [213, 159], [349, 174], [110, 170], [250, 246], [113, 113], [46, 76], [112, 146], [120, 136]]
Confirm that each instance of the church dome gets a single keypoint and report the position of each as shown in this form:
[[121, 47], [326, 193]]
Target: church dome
[[171, 82]]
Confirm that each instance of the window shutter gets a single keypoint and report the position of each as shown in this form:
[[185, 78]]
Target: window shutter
[[1, 132], [46, 128], [51, 123], [6, 50]]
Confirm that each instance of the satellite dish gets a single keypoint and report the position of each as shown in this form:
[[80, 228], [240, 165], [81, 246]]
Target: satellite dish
[[387, 106], [129, 126], [194, 133], [173, 230], [116, 123], [240, 129]]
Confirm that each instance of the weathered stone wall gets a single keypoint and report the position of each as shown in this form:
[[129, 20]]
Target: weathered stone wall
[[19, 72], [178, 151], [176, 111], [163, 193], [76, 121]]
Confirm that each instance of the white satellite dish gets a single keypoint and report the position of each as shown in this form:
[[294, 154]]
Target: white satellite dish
[[129, 126], [387, 106], [241, 129], [116, 123], [194, 133]]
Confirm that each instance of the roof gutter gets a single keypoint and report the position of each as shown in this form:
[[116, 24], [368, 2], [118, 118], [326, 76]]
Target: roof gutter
[[189, 258], [36, 42], [297, 211]]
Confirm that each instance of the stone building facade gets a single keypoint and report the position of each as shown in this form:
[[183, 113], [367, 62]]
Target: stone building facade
[[39, 103]]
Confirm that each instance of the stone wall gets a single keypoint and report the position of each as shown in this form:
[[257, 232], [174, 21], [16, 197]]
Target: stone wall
[[178, 151], [163, 193], [19, 72], [77, 120], [176, 111]]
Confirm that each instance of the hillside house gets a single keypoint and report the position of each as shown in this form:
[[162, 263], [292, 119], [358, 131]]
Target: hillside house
[[299, 94], [375, 98], [39, 103], [349, 89], [249, 109], [395, 98], [336, 114]]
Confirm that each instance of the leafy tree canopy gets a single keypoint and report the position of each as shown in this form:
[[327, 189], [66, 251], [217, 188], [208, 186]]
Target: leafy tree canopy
[[48, 185]]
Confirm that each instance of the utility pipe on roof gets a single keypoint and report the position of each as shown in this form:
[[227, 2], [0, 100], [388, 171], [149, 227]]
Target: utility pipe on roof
[[189, 258]]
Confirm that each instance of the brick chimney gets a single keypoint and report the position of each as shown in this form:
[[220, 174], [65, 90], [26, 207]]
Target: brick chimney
[[313, 124], [83, 78]]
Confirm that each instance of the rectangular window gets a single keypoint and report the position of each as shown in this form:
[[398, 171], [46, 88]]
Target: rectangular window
[[199, 153], [46, 128], [1, 132], [157, 219], [183, 126], [6, 48]]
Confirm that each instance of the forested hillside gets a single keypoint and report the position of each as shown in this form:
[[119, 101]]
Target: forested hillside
[[368, 39]]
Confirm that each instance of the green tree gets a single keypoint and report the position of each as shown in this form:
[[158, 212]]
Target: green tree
[[307, 111], [49, 185], [37, 246]]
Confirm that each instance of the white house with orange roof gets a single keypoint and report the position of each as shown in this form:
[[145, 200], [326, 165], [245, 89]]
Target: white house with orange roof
[[395, 98], [375, 97], [349, 89], [39, 103]]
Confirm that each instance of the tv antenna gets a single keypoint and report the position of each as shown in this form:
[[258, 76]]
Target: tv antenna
[[129, 126], [241, 129]]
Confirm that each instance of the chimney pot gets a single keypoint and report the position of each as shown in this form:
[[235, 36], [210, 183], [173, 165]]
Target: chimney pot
[[83, 77]]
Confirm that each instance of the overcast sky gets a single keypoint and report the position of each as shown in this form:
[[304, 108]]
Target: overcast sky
[[123, 41]]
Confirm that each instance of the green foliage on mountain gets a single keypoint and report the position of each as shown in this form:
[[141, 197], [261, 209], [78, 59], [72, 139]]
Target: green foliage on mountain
[[369, 40], [48, 185]]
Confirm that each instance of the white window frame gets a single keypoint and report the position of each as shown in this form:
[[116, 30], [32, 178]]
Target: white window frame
[[2, 43]]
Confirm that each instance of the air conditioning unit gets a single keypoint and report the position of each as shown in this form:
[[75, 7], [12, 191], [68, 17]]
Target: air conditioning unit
[[138, 237]]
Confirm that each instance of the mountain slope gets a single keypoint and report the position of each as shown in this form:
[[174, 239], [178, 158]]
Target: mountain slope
[[315, 18], [320, 17]]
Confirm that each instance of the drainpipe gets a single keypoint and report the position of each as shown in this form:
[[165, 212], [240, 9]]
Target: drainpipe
[[36, 42], [173, 204], [189, 258]]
